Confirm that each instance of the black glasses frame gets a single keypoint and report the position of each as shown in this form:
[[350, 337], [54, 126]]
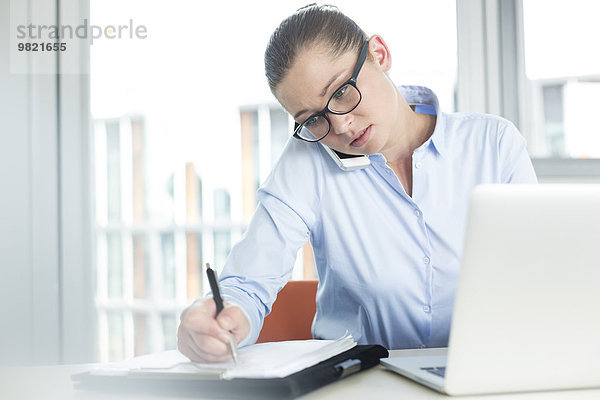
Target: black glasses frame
[[364, 51]]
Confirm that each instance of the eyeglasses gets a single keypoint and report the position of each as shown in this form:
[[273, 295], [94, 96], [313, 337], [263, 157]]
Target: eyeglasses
[[344, 100]]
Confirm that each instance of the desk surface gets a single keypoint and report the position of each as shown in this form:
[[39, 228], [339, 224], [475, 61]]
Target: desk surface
[[54, 382]]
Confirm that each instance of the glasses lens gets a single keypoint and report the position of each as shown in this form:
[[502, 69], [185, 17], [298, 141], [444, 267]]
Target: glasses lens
[[314, 128], [344, 99]]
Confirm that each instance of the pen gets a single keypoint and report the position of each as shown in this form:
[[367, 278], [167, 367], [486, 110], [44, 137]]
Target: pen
[[214, 287]]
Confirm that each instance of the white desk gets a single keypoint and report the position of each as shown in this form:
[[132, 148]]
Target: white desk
[[54, 383]]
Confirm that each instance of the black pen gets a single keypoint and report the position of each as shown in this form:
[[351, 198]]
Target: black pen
[[214, 287]]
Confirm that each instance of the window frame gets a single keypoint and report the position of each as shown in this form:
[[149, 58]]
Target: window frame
[[491, 78], [46, 285], [77, 277], [30, 301]]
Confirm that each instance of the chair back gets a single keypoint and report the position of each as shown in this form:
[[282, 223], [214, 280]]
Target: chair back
[[292, 313]]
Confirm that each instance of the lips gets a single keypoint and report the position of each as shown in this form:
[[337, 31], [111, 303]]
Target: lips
[[362, 138]]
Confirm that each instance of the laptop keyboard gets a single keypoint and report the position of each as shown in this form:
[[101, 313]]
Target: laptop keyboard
[[439, 371]]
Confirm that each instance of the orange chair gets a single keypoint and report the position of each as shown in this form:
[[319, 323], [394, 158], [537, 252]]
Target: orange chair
[[292, 313]]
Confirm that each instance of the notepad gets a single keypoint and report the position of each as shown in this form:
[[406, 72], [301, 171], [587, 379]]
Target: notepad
[[264, 360]]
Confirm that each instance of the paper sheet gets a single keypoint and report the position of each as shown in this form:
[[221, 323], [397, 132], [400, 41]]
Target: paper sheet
[[264, 360]]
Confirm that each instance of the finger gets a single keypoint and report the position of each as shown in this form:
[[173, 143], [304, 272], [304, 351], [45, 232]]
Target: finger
[[234, 320], [212, 350], [188, 348], [209, 345], [201, 323], [203, 344], [204, 305], [199, 344], [185, 336]]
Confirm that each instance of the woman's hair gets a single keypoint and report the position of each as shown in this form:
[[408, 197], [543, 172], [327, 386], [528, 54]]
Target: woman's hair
[[322, 25]]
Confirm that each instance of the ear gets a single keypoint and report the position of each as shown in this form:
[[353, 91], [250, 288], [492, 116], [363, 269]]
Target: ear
[[380, 52]]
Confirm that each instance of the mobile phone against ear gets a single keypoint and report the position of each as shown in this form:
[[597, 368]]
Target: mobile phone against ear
[[347, 162]]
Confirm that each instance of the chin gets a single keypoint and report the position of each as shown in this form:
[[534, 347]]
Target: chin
[[367, 149], [374, 146], [354, 151]]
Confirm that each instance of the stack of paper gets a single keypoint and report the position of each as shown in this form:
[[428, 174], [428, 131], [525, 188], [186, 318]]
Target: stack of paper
[[265, 360]]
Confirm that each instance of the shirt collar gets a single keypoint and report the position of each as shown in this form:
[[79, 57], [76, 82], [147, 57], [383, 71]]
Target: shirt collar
[[420, 95]]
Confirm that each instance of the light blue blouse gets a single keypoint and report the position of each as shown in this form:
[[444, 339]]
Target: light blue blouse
[[387, 263]]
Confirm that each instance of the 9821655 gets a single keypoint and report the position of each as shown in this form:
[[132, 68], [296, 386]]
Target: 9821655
[[41, 46]]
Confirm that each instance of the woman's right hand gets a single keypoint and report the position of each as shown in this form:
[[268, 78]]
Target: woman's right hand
[[202, 338]]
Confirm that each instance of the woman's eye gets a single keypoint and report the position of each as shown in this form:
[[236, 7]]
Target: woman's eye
[[340, 92], [311, 121]]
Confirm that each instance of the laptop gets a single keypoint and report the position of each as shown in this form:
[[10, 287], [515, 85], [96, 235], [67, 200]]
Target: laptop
[[527, 309]]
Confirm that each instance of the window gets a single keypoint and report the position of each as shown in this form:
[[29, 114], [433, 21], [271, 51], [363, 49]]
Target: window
[[562, 77], [530, 62]]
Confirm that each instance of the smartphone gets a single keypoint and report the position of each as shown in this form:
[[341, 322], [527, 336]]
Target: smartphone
[[347, 162]]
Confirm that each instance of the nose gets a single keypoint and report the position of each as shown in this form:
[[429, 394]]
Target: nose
[[340, 124]]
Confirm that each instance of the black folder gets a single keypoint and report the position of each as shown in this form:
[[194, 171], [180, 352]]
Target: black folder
[[358, 358]]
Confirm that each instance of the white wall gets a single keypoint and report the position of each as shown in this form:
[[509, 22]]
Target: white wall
[[28, 218], [45, 285]]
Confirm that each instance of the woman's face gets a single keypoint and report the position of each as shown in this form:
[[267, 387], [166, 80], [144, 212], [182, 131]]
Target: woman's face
[[316, 75]]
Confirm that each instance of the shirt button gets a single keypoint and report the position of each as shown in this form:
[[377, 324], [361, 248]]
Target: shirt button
[[417, 213], [418, 164], [426, 308], [426, 260]]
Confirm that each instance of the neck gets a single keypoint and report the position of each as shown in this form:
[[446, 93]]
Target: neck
[[415, 130]]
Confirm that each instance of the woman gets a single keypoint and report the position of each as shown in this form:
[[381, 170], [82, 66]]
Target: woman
[[387, 238]]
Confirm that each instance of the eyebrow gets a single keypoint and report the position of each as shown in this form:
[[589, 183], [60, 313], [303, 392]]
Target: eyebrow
[[323, 92]]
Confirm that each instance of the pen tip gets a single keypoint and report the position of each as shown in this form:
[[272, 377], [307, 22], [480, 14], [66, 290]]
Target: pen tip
[[207, 266]]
